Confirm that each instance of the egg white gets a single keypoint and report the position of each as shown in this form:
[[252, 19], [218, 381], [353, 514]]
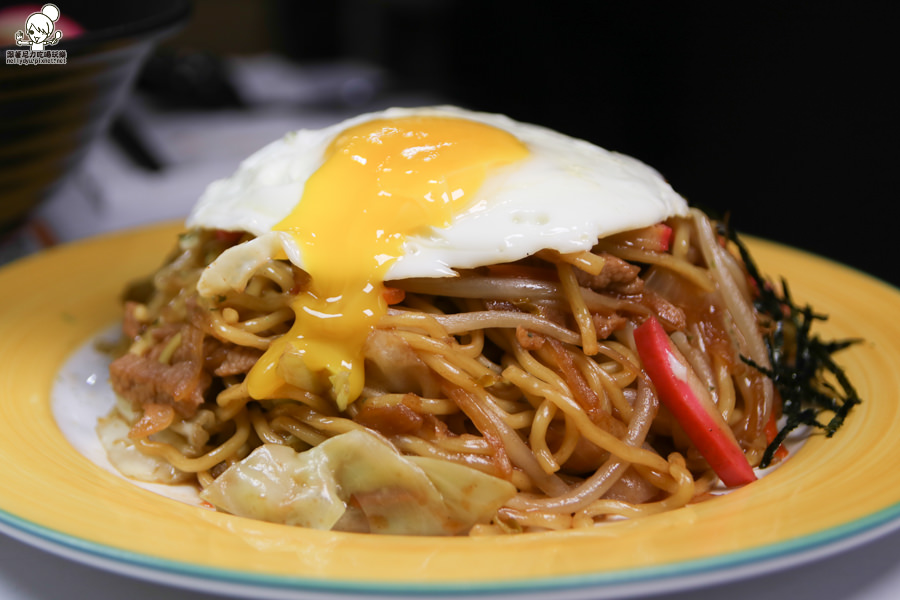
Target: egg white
[[564, 196]]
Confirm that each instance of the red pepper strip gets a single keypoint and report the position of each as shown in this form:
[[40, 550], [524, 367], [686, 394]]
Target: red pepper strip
[[229, 237], [771, 432], [393, 295], [684, 395], [664, 233], [655, 238]]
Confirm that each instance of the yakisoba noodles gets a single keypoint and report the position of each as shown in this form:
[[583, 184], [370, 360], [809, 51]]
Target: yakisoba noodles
[[620, 372]]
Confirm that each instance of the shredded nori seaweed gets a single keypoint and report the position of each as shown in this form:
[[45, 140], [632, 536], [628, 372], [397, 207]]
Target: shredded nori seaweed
[[802, 368]]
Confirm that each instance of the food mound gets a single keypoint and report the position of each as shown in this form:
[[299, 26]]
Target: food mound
[[438, 322]]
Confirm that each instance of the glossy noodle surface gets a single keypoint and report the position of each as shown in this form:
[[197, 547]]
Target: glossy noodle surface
[[511, 398]]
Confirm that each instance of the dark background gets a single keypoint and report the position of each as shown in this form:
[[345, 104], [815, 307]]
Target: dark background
[[782, 114]]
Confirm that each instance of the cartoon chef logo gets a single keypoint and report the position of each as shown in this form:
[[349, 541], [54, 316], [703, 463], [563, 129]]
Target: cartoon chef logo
[[40, 29]]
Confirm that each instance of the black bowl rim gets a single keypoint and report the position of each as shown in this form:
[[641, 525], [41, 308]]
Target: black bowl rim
[[154, 25]]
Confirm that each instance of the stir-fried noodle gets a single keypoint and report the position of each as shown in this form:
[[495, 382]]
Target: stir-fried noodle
[[527, 372]]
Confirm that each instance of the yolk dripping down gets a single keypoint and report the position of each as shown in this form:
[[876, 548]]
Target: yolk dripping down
[[380, 181]]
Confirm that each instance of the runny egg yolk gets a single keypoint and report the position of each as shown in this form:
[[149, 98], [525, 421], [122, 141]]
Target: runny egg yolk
[[380, 181]]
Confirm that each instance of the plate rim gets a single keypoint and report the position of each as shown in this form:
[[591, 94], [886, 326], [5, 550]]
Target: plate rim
[[677, 576]]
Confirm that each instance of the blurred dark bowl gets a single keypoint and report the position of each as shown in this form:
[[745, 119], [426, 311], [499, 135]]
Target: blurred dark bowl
[[51, 113]]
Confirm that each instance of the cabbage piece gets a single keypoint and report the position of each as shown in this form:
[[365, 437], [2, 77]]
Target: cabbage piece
[[470, 496], [357, 481], [271, 484], [112, 432]]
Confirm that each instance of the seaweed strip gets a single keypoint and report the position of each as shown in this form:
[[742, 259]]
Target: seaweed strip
[[803, 370]]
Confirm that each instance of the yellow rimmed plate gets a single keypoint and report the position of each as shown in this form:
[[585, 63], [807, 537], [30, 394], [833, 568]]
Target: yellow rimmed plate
[[833, 494]]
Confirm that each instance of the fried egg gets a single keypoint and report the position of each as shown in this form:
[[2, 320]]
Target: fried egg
[[408, 192]]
